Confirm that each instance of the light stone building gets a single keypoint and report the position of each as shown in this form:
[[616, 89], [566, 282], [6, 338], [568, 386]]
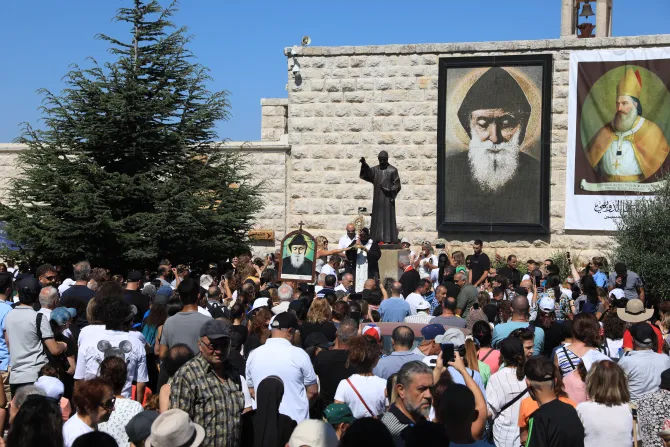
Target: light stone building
[[352, 102]]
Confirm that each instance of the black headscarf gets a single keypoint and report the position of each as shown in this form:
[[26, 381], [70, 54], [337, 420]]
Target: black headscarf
[[266, 421]]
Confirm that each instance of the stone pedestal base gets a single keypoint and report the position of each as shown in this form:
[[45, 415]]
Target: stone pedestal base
[[388, 263]]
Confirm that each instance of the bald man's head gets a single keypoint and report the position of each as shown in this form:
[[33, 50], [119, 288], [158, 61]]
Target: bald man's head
[[520, 305], [396, 289], [370, 284], [528, 284]]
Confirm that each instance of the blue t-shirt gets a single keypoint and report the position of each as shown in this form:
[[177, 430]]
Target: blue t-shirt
[[4, 352], [394, 310], [503, 330], [600, 279]]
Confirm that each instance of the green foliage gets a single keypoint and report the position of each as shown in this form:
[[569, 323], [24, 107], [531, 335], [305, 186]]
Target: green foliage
[[560, 259], [126, 170], [643, 242]]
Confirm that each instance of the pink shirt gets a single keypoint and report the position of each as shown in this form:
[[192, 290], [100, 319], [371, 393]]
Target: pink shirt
[[492, 359], [575, 388]]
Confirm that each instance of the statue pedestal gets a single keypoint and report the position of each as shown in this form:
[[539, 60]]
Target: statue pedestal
[[388, 263]]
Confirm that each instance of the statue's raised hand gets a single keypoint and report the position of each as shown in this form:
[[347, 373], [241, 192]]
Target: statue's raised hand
[[362, 160]]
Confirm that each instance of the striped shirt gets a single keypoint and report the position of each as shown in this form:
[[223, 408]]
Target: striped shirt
[[503, 387], [419, 318], [567, 360]]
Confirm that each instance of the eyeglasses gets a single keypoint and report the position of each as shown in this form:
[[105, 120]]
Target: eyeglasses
[[215, 346], [51, 277], [108, 405]]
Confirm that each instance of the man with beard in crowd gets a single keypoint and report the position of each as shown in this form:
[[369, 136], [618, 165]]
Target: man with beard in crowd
[[493, 174], [412, 407], [630, 148], [297, 263]]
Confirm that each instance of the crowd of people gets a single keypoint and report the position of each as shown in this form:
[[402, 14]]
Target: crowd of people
[[454, 352]]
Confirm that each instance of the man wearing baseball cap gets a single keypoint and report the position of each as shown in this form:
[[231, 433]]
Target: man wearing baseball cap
[[340, 417], [643, 364], [278, 357], [635, 312], [428, 346], [209, 388]]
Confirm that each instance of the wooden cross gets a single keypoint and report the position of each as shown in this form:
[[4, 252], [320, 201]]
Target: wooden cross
[[617, 164]]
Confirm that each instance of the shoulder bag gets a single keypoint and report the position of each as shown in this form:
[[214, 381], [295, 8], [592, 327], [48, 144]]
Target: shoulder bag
[[361, 399]]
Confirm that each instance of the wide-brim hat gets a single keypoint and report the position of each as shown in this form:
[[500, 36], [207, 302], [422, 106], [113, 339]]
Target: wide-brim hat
[[635, 312], [173, 428]]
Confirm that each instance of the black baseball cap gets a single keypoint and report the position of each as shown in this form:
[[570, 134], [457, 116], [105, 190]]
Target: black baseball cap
[[215, 329], [139, 427], [285, 320], [642, 332]]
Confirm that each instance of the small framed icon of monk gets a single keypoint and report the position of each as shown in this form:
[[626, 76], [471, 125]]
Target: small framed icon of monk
[[298, 253], [493, 144]]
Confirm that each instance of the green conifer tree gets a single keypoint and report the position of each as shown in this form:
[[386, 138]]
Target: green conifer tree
[[126, 169]]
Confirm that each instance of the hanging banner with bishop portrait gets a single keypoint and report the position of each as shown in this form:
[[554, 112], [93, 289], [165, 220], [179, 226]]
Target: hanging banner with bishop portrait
[[618, 133]]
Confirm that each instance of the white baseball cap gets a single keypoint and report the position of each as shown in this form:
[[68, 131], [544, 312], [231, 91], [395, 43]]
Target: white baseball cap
[[260, 302], [618, 294], [452, 335], [422, 305], [546, 304]]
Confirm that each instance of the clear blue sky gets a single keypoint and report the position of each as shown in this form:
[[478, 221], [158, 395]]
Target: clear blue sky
[[242, 41]]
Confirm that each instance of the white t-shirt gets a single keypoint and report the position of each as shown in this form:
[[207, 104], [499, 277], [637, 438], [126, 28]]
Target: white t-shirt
[[74, 428], [278, 357], [204, 311], [90, 331], [606, 426], [371, 388], [614, 346], [434, 277], [93, 350], [345, 241], [424, 272], [326, 269], [413, 299]]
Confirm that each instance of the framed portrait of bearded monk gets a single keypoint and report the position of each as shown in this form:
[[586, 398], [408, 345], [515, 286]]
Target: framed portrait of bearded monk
[[618, 133], [298, 250], [493, 144]]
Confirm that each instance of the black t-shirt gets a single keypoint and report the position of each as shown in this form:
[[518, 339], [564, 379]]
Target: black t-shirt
[[78, 298], [512, 275], [139, 300], [555, 424], [491, 312], [327, 328], [331, 369], [478, 264]]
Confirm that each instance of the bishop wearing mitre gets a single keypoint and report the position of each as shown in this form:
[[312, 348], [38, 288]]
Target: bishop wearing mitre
[[630, 148]]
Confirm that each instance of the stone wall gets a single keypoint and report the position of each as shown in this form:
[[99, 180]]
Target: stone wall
[[353, 102]]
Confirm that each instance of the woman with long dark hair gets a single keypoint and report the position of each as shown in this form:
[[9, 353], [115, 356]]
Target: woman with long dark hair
[[502, 388], [482, 332], [266, 426], [258, 330], [38, 423]]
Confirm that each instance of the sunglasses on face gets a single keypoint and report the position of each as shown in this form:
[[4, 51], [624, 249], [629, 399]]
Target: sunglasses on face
[[218, 346], [108, 405], [51, 277]]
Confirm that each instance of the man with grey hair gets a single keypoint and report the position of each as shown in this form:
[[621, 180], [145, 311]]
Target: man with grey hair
[[412, 406], [20, 397], [48, 301], [78, 296], [642, 364], [331, 365], [285, 293], [347, 283]]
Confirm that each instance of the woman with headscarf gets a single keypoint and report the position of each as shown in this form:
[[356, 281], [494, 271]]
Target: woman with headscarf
[[266, 427]]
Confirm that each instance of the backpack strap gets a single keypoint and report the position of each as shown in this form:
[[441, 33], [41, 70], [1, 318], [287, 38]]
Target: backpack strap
[[510, 403], [565, 351]]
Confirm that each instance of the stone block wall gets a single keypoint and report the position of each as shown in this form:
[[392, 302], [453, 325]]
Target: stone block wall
[[353, 102], [274, 118]]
